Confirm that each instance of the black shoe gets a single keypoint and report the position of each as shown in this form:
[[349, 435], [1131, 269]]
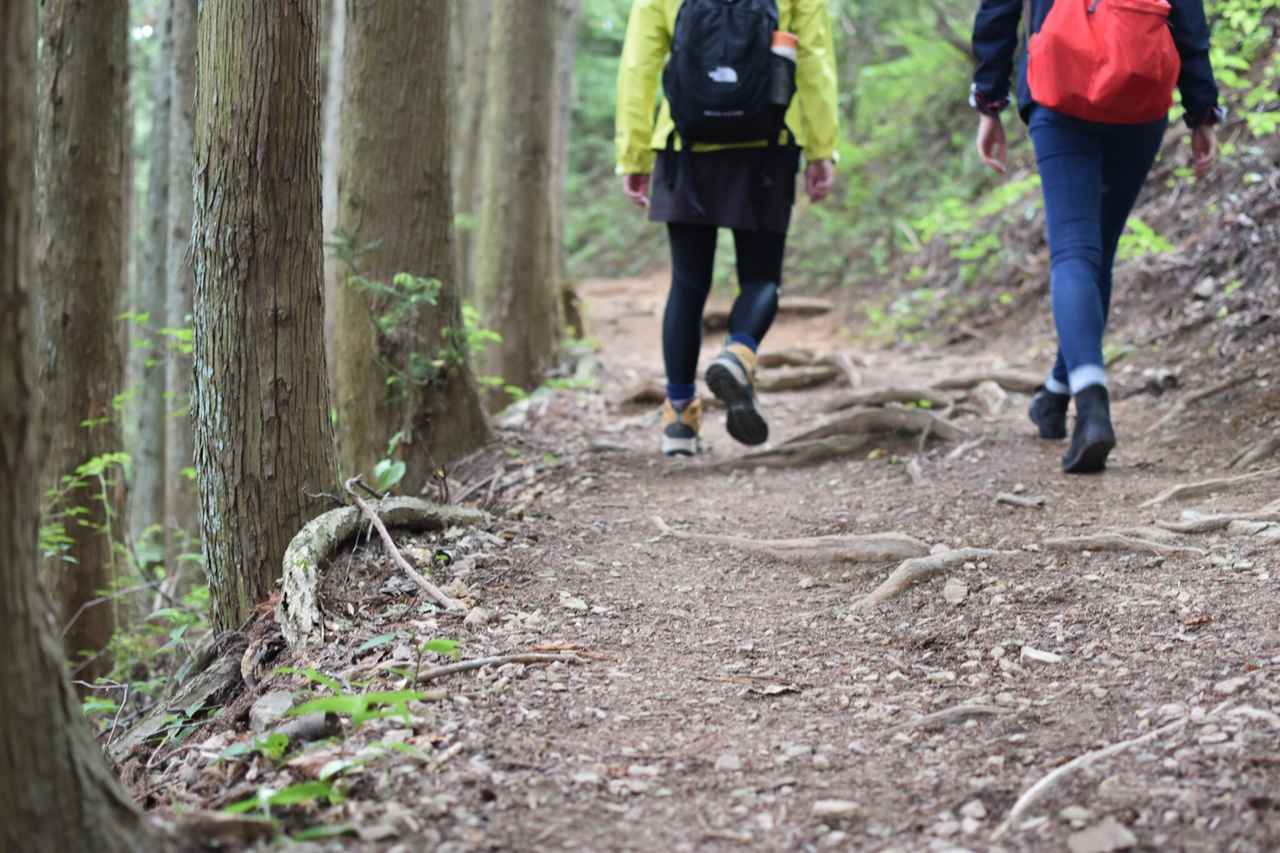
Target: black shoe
[[731, 377], [1092, 439], [1048, 411]]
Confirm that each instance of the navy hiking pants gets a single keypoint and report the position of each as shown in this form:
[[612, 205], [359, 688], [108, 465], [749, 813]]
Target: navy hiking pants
[[1091, 175]]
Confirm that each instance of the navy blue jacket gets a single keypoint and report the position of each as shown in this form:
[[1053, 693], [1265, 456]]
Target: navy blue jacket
[[995, 44]]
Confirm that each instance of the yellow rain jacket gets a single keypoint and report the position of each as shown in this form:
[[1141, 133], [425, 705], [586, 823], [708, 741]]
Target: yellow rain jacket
[[813, 115]]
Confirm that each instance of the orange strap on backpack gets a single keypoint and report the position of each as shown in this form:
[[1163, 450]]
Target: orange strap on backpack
[[1110, 61]]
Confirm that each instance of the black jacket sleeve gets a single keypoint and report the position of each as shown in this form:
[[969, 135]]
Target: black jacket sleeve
[[1191, 35], [995, 42]]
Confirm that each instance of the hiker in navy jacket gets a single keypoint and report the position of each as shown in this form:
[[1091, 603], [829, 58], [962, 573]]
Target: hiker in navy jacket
[[1091, 173]]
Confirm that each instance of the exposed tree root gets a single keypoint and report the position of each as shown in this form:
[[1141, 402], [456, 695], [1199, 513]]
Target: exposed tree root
[[1204, 487], [1205, 393], [879, 422], [918, 570], [882, 396], [915, 471], [845, 363], [792, 357], [797, 455], [1210, 523], [497, 660], [794, 378], [820, 550], [1257, 452], [965, 448], [1038, 790], [947, 715], [299, 611], [716, 318], [1010, 380], [1111, 541]]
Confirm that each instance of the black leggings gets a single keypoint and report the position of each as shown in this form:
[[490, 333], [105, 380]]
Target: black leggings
[[693, 253]]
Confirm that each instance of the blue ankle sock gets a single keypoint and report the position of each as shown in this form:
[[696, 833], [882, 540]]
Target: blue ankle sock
[[746, 340], [681, 395]]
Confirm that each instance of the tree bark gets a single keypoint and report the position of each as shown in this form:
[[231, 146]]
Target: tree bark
[[55, 790], [81, 154], [566, 52], [516, 278], [182, 505], [396, 110], [469, 49], [145, 367], [329, 153], [264, 442]]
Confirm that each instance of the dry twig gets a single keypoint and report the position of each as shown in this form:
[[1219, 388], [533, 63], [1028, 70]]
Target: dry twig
[[496, 660], [1020, 500], [947, 715], [1111, 541], [425, 585]]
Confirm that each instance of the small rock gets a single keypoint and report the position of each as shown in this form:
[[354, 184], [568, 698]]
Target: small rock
[[990, 396], [729, 761], [1246, 528], [586, 777], [835, 839], [1104, 837], [947, 828], [268, 709], [834, 808], [955, 591], [643, 771], [1076, 815], [1028, 653], [1205, 289], [571, 602], [808, 583], [969, 825], [1214, 737], [1227, 686], [974, 809], [478, 616]]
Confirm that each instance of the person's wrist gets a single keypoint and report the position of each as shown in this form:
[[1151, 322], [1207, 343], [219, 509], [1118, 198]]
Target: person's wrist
[[985, 104], [1207, 118]]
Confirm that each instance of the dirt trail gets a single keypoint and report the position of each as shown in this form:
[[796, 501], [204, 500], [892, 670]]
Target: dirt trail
[[728, 700]]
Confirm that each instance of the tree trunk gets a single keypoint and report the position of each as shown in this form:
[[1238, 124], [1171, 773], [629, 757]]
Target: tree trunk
[[182, 505], [329, 153], [470, 61], [264, 442], [55, 790], [81, 154], [145, 367], [516, 278], [566, 51], [413, 379]]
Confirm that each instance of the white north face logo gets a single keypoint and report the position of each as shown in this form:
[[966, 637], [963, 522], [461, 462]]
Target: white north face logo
[[723, 74]]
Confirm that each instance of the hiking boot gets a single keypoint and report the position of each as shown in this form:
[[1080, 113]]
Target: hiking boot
[[680, 428], [1092, 438], [1048, 411], [731, 377]]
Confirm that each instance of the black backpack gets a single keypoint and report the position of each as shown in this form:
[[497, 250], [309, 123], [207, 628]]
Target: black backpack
[[717, 80], [722, 81]]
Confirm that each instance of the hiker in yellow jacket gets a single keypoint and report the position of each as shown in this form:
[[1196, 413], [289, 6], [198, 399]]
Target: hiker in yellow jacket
[[753, 84]]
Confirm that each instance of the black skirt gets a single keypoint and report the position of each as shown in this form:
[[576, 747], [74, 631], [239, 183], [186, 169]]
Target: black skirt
[[747, 189]]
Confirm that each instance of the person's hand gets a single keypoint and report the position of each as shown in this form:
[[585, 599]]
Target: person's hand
[[992, 147], [819, 178], [636, 189], [1204, 149]]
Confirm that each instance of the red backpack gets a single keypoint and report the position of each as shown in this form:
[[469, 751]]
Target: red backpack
[[1111, 61]]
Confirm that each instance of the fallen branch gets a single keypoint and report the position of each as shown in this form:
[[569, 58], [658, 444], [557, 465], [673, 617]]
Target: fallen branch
[[1038, 790], [824, 550], [1204, 487], [878, 422], [1205, 393], [947, 715], [883, 396], [1009, 380], [425, 585], [1109, 541], [918, 570], [796, 455], [298, 612]]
